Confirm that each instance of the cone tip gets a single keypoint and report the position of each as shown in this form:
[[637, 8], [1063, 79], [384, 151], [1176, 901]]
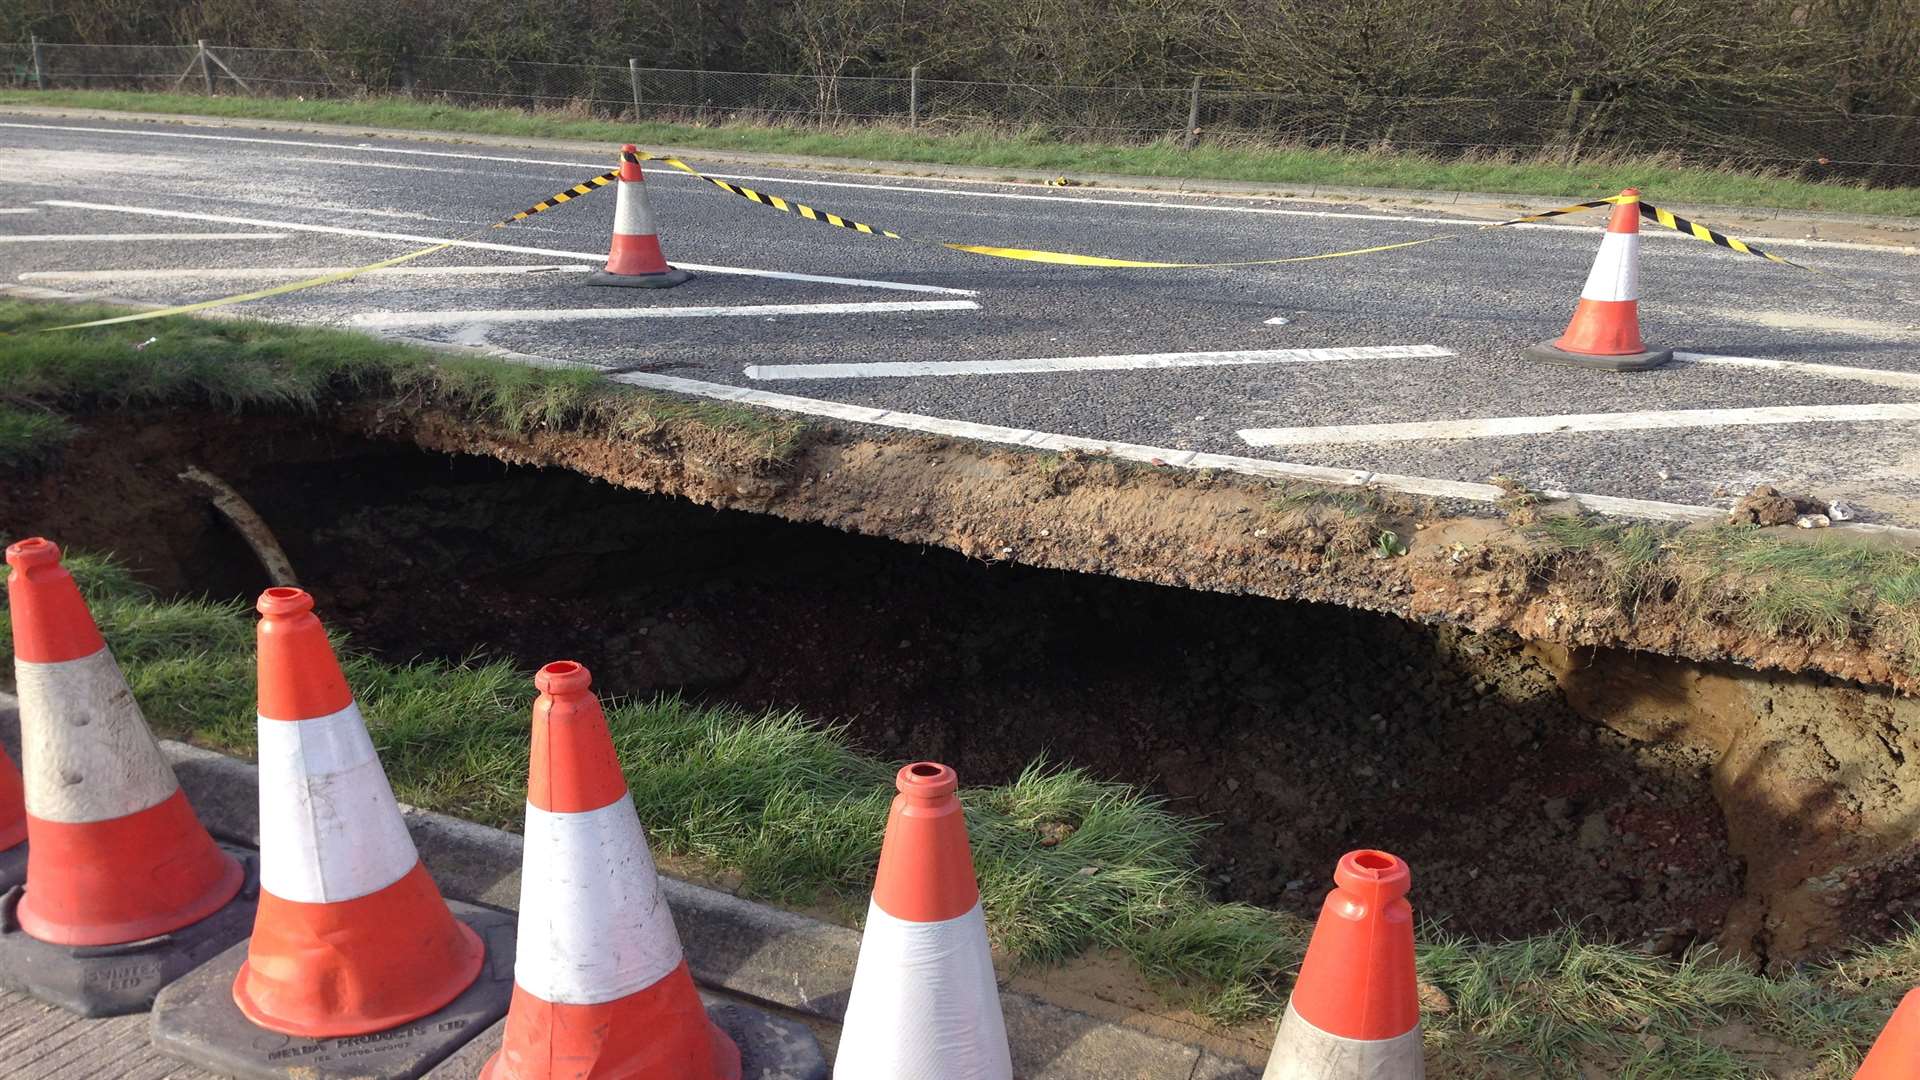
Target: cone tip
[[33, 551], [1630, 193], [284, 600], [926, 780], [1373, 870], [629, 148], [563, 677]]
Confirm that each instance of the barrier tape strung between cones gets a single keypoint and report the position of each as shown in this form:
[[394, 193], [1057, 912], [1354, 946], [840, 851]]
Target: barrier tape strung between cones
[[1700, 232]]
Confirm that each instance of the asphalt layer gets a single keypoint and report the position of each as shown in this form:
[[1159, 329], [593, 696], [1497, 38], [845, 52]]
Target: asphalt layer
[[1485, 295]]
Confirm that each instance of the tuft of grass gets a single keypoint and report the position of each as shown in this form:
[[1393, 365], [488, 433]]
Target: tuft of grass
[[243, 365], [1040, 149]]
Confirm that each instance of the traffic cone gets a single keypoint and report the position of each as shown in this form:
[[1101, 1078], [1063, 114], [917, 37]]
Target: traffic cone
[[600, 987], [1605, 331], [115, 854], [352, 936], [13, 825], [1896, 1053], [924, 1003], [635, 260], [1355, 1009]]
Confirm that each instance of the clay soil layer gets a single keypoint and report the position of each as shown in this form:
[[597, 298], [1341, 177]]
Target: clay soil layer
[[1527, 779]]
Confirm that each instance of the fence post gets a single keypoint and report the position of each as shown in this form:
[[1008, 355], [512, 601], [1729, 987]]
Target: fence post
[[913, 96], [633, 76], [39, 69], [1193, 117], [206, 68]]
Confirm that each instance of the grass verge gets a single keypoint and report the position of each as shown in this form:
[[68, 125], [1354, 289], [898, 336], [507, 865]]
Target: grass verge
[[258, 366], [1066, 862], [1664, 180]]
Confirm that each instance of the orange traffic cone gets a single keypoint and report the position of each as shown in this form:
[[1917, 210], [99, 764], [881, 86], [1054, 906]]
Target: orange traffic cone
[[1896, 1053], [600, 987], [1605, 331], [13, 825], [635, 260], [352, 936], [1355, 1010], [115, 854], [924, 1003]]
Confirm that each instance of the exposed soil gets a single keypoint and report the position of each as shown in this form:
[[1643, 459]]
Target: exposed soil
[[1663, 802]]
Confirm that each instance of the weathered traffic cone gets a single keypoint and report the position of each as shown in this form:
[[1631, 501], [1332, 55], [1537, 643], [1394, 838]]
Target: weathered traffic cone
[[352, 936], [1355, 1009], [635, 260], [600, 986], [924, 1003], [1605, 331], [1896, 1053], [115, 854]]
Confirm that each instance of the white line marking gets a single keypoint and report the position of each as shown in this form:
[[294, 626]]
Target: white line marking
[[373, 164], [1277, 320], [411, 238], [1499, 427], [82, 238], [797, 181], [1904, 380], [1091, 363], [292, 273], [544, 315], [18, 210]]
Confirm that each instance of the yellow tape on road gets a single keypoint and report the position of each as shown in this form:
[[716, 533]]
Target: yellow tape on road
[[1700, 232]]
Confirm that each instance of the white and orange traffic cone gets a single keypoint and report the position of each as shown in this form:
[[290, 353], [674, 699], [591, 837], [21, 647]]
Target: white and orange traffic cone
[[1605, 331], [352, 936], [1896, 1053], [114, 854], [924, 1004], [600, 986], [635, 260], [1355, 1009]]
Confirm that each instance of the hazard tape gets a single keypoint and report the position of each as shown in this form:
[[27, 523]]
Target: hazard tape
[[1700, 232]]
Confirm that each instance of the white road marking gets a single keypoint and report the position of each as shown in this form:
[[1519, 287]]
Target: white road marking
[[412, 238], [1498, 427], [1090, 363], [373, 164], [18, 210], [798, 181], [85, 238], [546, 315], [1903, 380], [291, 273], [1277, 320]]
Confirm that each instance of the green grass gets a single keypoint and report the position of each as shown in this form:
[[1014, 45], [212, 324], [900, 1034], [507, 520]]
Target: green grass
[[255, 366], [792, 813], [1281, 167]]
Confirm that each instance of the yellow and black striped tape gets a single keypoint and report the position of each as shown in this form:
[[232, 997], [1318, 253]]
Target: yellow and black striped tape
[[1700, 232], [584, 187]]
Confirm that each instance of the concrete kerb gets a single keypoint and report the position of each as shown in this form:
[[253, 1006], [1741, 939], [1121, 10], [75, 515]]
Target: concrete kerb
[[799, 965], [1121, 183]]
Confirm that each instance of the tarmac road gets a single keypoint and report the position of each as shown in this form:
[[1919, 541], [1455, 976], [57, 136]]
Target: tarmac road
[[220, 210]]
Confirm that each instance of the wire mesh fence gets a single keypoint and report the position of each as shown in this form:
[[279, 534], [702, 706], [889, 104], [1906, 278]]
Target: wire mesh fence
[[1829, 144]]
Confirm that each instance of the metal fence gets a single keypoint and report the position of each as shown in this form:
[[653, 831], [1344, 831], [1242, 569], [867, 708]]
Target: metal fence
[[1883, 150]]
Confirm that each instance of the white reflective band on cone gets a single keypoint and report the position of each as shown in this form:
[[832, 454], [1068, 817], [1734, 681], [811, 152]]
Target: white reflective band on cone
[[632, 215], [1304, 1052], [85, 749], [924, 1004], [330, 829], [594, 925], [1616, 271]]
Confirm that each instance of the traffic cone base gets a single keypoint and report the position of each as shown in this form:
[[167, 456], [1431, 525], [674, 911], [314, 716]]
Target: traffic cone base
[[649, 1039], [1605, 331], [1896, 1053], [635, 260], [1313, 1054], [198, 1019]]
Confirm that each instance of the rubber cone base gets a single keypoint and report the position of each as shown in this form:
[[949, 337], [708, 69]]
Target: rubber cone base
[[673, 276], [771, 1047], [197, 1021], [1548, 353], [112, 980]]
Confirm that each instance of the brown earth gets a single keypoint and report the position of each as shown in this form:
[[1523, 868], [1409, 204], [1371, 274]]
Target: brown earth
[[1663, 802]]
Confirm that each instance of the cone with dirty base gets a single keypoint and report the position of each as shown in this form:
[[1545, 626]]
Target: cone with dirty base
[[635, 260], [1605, 331], [600, 988], [352, 936], [114, 854], [924, 1003], [1896, 1053], [1355, 1009]]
